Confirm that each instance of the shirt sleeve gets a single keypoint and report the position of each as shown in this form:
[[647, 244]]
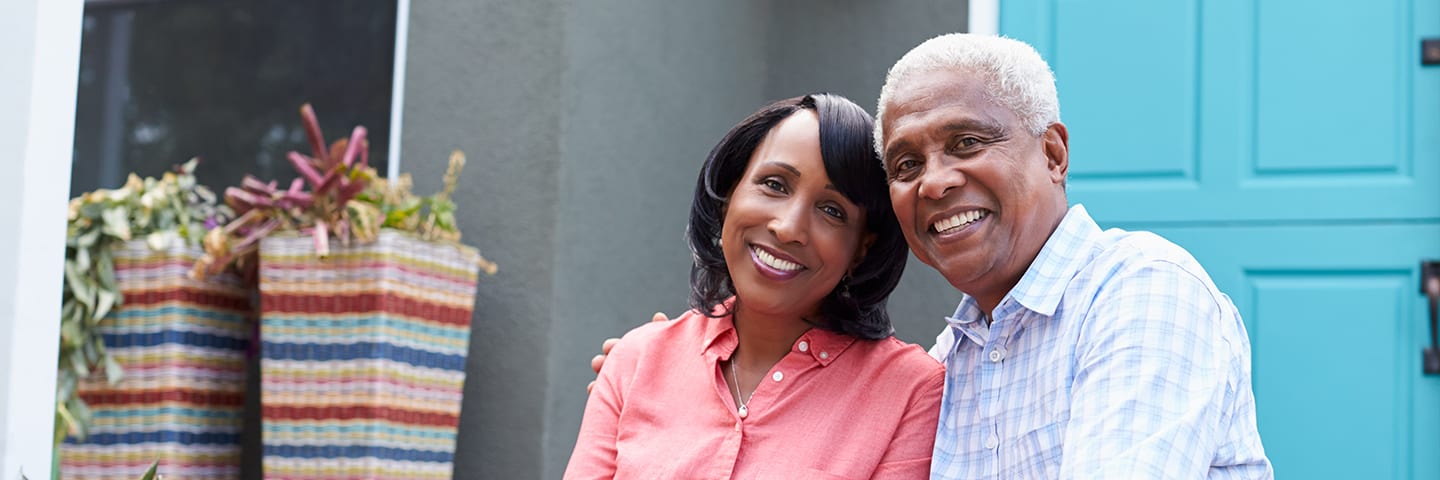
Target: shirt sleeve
[[1153, 370], [908, 456], [594, 456]]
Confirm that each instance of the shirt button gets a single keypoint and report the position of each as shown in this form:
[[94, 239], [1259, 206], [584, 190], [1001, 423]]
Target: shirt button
[[778, 376], [824, 355], [996, 355], [991, 442], [804, 346]]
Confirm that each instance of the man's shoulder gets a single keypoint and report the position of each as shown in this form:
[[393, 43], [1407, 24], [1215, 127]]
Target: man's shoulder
[[1121, 254]]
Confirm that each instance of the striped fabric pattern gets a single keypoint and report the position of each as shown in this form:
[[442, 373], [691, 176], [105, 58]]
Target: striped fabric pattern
[[363, 356], [182, 344]]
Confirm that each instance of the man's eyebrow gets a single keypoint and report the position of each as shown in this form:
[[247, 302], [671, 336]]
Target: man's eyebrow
[[975, 125], [983, 127]]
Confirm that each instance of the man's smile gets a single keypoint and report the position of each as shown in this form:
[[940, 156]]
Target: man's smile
[[953, 223]]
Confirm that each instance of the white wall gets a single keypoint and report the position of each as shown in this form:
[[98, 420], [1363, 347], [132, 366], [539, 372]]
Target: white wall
[[40, 52]]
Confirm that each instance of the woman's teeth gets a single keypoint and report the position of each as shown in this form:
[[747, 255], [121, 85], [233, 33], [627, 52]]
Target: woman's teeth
[[775, 263]]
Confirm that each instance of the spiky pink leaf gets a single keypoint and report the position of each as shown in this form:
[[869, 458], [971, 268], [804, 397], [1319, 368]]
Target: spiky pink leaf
[[252, 184], [322, 240], [307, 171], [312, 131], [357, 142], [239, 200]]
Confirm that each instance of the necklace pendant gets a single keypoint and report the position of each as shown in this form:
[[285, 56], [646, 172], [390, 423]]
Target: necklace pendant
[[744, 412]]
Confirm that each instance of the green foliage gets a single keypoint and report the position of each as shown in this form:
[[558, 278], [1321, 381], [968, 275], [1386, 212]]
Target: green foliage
[[172, 210], [150, 474], [432, 217]]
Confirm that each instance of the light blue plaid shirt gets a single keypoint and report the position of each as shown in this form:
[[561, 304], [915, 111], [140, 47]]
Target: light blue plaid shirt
[[1114, 357]]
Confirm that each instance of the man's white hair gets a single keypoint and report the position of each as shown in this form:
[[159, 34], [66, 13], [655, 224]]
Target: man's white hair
[[1015, 76]]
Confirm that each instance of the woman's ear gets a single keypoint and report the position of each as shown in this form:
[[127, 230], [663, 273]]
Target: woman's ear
[[866, 242]]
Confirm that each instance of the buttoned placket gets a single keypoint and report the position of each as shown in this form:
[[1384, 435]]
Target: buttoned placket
[[990, 366]]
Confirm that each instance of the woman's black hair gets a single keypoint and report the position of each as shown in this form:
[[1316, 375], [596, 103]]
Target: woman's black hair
[[856, 306]]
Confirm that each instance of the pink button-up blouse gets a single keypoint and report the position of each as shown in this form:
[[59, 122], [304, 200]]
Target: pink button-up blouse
[[833, 408]]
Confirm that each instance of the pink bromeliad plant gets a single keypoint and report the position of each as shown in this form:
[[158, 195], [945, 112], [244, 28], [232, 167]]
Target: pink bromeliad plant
[[334, 177]]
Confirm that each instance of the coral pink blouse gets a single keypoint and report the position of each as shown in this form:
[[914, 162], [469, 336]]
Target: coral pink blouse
[[833, 408]]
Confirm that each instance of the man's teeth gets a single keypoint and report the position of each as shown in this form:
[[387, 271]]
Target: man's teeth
[[958, 221], [775, 263]]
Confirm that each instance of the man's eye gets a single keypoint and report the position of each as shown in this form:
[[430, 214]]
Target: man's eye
[[905, 167], [969, 141]]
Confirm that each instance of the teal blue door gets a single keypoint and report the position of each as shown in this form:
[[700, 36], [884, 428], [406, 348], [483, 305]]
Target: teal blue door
[[1294, 147]]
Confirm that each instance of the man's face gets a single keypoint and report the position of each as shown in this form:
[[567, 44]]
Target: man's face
[[976, 194]]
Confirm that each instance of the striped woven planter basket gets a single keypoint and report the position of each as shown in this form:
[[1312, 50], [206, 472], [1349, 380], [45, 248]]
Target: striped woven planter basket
[[182, 344], [363, 356]]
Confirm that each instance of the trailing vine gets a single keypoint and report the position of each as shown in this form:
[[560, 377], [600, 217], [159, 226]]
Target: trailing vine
[[165, 212]]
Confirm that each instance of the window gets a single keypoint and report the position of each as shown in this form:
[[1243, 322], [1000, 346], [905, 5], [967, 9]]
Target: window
[[162, 81]]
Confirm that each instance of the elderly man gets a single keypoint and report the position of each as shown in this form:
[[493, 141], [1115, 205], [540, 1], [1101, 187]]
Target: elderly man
[[1075, 352]]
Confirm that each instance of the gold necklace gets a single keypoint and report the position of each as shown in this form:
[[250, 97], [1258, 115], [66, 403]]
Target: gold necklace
[[744, 412]]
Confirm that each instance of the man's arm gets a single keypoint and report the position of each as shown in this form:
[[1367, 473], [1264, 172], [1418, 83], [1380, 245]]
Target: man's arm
[[609, 343], [1154, 376]]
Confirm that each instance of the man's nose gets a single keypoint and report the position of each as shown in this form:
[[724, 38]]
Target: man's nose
[[790, 223], [939, 177]]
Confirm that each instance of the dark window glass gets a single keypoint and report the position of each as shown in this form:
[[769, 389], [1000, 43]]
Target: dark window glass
[[163, 81]]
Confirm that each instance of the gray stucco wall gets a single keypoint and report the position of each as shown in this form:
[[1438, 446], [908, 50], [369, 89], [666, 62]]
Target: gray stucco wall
[[485, 76], [585, 124], [651, 86]]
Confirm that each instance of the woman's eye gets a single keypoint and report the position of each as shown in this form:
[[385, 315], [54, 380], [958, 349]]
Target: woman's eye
[[773, 184], [833, 211]]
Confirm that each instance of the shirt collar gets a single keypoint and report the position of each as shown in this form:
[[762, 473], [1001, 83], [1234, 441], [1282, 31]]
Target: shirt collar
[[819, 344], [1043, 284]]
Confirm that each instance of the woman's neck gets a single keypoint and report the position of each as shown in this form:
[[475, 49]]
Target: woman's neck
[[764, 339]]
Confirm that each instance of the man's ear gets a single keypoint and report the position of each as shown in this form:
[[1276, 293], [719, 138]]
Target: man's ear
[[866, 242], [1057, 151]]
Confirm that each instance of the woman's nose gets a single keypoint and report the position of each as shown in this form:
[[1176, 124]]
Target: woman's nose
[[790, 224]]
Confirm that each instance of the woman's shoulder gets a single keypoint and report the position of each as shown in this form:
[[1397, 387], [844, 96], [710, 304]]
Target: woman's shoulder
[[684, 331], [897, 356]]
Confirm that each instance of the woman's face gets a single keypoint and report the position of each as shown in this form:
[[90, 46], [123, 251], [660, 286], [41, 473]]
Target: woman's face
[[789, 235]]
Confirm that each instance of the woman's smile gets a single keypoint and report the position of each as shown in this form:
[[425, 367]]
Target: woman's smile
[[774, 265]]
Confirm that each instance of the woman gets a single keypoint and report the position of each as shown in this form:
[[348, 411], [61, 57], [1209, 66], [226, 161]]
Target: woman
[[786, 367]]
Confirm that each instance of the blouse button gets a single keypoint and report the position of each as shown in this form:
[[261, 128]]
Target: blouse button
[[804, 346], [778, 376], [824, 355]]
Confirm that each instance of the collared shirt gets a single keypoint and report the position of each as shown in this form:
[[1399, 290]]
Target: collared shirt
[[833, 407], [1115, 356]]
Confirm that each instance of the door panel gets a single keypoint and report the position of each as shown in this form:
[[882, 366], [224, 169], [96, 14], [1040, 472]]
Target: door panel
[[1336, 327], [1233, 110], [1294, 147]]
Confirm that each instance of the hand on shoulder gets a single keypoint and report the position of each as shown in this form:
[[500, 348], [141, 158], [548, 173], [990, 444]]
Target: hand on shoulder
[[609, 344]]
